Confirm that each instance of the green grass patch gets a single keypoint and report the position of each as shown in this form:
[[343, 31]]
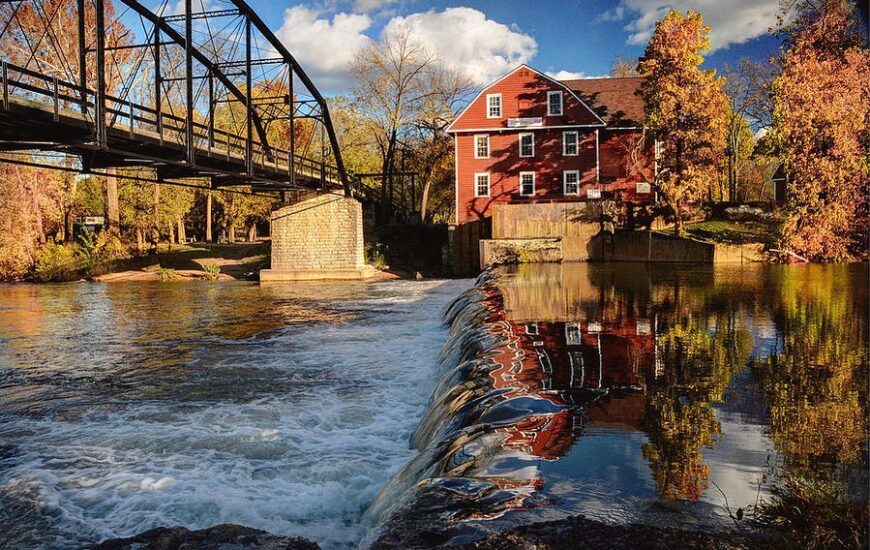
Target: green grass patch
[[743, 232]]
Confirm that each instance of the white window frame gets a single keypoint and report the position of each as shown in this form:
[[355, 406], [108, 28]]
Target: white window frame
[[520, 144], [573, 334], [488, 184], [500, 106], [532, 194], [565, 152], [476, 155], [565, 182], [561, 103]]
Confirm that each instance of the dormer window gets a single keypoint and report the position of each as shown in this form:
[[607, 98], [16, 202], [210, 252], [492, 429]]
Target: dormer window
[[554, 103], [493, 106]]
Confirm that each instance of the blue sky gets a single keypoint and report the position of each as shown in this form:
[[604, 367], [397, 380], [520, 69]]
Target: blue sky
[[567, 38]]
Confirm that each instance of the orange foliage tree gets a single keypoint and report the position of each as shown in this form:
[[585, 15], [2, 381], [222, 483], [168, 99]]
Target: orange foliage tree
[[821, 120], [686, 109]]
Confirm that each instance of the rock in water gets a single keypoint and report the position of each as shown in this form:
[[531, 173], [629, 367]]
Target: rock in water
[[219, 537]]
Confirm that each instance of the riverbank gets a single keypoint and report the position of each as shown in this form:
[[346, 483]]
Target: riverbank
[[554, 535]]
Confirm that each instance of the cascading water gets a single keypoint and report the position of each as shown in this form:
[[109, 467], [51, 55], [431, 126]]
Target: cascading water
[[481, 436]]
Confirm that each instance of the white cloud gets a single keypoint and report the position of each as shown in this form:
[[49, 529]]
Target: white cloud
[[567, 75], [366, 6], [324, 47], [731, 22], [465, 40]]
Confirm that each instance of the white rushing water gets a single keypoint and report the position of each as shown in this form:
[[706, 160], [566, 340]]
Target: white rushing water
[[294, 430]]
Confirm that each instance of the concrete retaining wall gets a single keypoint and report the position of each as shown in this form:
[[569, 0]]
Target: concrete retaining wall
[[574, 223], [519, 251], [649, 246]]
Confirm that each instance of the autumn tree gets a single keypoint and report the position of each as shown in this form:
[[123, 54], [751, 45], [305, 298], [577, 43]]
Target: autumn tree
[[408, 99], [241, 211], [748, 86], [623, 67], [821, 121], [43, 36], [686, 109]]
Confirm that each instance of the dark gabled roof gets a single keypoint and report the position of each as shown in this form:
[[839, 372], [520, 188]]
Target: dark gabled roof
[[616, 100]]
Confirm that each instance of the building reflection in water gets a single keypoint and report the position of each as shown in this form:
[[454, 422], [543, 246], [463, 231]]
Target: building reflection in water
[[630, 392]]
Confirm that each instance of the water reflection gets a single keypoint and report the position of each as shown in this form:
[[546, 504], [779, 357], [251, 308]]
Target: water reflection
[[638, 393]]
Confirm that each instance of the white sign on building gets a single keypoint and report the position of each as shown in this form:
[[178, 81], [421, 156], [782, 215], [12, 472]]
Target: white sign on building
[[527, 122]]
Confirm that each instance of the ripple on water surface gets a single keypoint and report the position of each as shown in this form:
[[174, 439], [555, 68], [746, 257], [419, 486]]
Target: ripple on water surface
[[125, 407]]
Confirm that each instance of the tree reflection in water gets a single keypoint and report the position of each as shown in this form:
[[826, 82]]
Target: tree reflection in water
[[540, 357]]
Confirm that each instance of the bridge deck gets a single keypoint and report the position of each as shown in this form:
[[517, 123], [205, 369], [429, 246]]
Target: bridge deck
[[220, 156]]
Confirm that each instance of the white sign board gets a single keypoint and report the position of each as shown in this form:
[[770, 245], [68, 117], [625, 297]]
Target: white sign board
[[593, 193], [643, 187], [93, 220], [527, 122]]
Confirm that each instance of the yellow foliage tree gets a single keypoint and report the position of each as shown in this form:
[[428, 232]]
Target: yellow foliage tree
[[821, 121], [687, 110]]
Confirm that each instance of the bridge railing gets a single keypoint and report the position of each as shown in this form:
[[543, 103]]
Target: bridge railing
[[63, 98]]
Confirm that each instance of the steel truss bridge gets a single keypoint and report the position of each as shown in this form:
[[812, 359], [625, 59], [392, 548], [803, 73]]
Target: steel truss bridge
[[194, 89]]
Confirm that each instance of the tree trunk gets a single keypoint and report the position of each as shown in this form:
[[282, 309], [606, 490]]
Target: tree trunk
[[182, 234], [140, 240], [231, 233], [424, 200], [171, 234], [69, 199], [155, 232], [678, 221], [113, 212], [40, 229], [208, 238], [252, 232]]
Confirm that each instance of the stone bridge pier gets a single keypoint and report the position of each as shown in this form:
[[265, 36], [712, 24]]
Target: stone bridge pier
[[318, 238]]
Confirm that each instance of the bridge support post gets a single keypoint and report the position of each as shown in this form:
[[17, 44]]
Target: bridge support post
[[319, 238], [188, 79], [5, 77], [100, 108], [83, 59]]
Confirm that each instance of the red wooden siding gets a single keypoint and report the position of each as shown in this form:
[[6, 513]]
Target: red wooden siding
[[524, 94], [504, 166], [615, 165]]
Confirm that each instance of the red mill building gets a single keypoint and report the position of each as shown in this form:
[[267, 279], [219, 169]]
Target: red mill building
[[528, 138]]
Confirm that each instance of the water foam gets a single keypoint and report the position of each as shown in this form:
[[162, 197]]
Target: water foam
[[294, 432]]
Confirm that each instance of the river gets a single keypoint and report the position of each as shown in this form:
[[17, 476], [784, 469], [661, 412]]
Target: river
[[661, 395], [629, 393], [126, 406]]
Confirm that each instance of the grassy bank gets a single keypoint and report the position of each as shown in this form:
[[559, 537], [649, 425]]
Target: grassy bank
[[108, 259], [737, 232]]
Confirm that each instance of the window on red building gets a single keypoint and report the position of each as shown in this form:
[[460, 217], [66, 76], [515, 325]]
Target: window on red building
[[481, 146], [493, 106], [569, 144], [571, 182], [554, 103], [527, 184], [481, 185], [527, 145]]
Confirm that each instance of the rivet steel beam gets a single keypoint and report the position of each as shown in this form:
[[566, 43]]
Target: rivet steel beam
[[200, 15], [188, 83], [100, 104]]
